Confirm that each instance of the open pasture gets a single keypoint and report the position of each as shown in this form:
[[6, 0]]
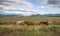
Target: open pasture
[[12, 20], [53, 29], [36, 30]]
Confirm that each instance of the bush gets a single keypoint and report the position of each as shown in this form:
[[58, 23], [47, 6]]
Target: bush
[[3, 22], [57, 23]]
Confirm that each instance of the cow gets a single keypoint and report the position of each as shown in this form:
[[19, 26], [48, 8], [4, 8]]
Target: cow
[[28, 22], [43, 23], [54, 21], [20, 22]]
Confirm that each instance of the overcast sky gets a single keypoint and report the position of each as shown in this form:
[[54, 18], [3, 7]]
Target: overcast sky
[[28, 7]]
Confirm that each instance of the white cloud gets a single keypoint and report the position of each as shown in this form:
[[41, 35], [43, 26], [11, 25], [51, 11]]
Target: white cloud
[[20, 2], [54, 11], [17, 12], [12, 5], [56, 3], [43, 1], [24, 7], [16, 7], [51, 3], [43, 7]]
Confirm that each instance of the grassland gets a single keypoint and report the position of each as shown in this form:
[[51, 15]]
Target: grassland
[[35, 19], [53, 29]]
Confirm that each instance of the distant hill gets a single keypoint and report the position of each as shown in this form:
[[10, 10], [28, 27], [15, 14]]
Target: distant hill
[[30, 15], [36, 15], [45, 15], [51, 15], [11, 15]]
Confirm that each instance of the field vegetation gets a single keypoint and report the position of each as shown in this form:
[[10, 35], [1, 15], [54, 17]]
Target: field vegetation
[[8, 27]]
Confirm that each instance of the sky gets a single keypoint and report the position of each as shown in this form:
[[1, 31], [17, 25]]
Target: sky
[[28, 7]]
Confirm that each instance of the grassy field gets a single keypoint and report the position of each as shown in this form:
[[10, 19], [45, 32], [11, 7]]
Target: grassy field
[[53, 29], [36, 30], [11, 20]]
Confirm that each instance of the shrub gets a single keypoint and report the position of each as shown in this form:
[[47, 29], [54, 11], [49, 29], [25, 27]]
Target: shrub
[[3, 23]]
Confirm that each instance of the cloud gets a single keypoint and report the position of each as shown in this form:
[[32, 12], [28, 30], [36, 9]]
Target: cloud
[[43, 1], [56, 3], [23, 13], [51, 3], [51, 11], [28, 8], [13, 2], [16, 10], [16, 7], [43, 7]]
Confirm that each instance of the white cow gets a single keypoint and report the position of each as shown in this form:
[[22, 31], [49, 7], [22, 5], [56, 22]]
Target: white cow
[[19, 22]]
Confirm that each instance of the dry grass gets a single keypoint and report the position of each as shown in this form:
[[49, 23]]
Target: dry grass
[[35, 19], [36, 30], [31, 30]]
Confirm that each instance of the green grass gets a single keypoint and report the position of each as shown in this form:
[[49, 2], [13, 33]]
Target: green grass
[[7, 27], [36, 30]]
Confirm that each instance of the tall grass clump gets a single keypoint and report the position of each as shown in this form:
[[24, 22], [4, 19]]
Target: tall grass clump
[[24, 30], [3, 23]]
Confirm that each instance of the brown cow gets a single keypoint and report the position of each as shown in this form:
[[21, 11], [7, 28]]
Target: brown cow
[[43, 23], [29, 22]]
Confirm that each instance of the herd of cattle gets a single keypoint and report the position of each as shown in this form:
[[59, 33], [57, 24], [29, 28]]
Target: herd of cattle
[[30, 22]]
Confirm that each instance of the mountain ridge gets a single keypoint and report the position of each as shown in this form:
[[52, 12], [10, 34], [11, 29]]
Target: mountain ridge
[[30, 15]]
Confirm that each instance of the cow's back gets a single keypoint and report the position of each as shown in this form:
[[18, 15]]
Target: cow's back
[[43, 23], [29, 22]]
